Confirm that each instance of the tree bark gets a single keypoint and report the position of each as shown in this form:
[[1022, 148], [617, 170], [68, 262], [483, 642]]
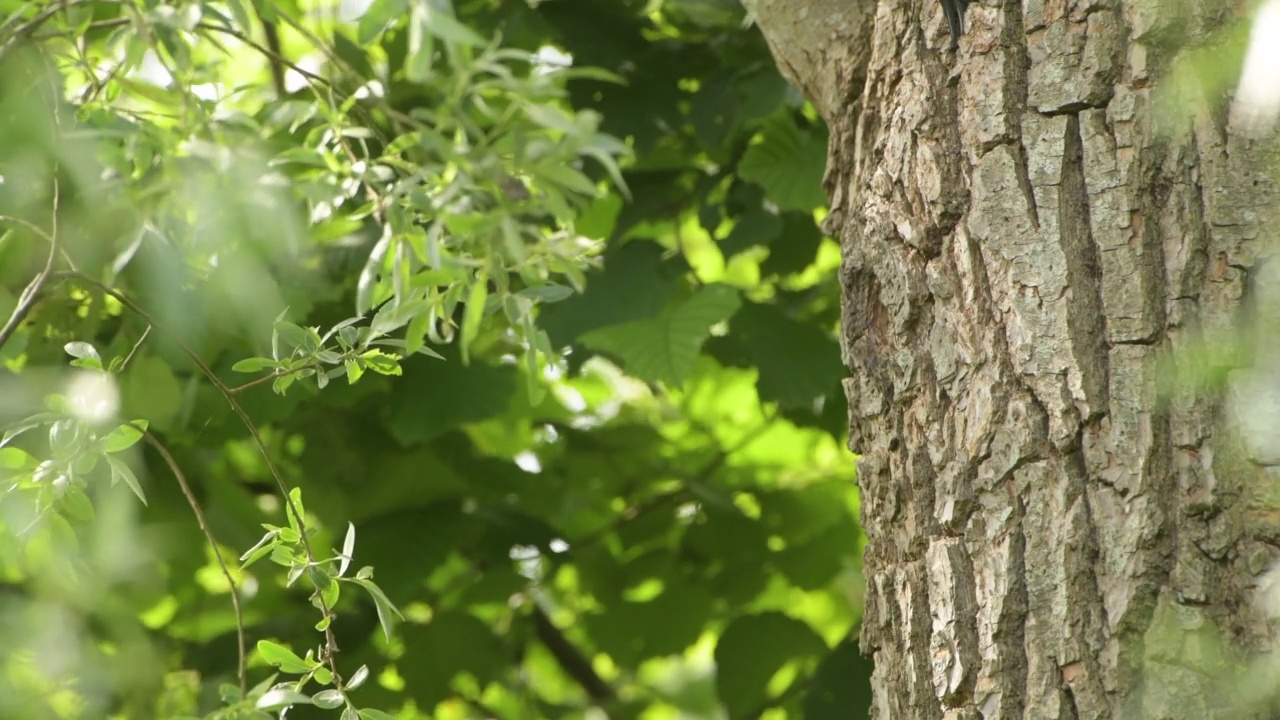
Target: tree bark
[[1034, 240]]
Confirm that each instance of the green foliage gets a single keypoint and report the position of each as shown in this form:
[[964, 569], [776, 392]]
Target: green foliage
[[530, 303]]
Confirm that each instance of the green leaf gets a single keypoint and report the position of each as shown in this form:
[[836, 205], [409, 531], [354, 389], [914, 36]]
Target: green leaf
[[264, 547], [798, 362], [841, 684], [328, 699], [15, 459], [120, 471], [348, 549], [752, 649], [436, 398], [417, 64], [387, 612], [665, 349], [392, 316], [358, 677], [82, 351], [788, 163], [253, 365], [240, 9], [124, 436], [377, 17], [77, 504], [296, 337], [380, 362], [282, 657], [473, 313], [547, 293], [371, 714], [280, 698]]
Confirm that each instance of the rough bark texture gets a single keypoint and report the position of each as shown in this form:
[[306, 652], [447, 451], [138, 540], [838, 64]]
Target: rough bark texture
[[1031, 244]]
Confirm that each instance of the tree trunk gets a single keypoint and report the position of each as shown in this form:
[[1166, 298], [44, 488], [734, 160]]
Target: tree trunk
[[1033, 239]]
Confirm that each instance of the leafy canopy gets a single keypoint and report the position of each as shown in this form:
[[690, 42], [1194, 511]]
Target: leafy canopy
[[411, 358]]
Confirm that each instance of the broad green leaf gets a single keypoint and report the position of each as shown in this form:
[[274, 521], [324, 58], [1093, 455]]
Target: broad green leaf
[[754, 647], [665, 349], [282, 657], [788, 163], [841, 681], [15, 459]]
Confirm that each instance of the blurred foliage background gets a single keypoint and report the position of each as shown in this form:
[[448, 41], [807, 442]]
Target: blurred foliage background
[[527, 302]]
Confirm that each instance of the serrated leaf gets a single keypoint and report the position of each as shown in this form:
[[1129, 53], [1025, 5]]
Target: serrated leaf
[[788, 163], [841, 681], [752, 649], [665, 349], [797, 361]]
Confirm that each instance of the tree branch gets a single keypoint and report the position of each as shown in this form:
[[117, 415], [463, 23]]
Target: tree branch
[[241, 667]]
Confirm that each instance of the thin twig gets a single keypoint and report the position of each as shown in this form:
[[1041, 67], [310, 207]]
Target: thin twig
[[254, 383], [331, 642], [22, 32], [266, 51], [32, 292], [657, 502], [134, 350], [241, 671]]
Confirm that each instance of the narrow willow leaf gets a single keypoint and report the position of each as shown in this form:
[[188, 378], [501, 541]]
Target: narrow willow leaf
[[120, 471], [473, 314], [348, 548], [124, 436], [387, 612]]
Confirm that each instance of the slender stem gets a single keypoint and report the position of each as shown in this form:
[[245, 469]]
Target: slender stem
[[31, 293], [241, 666], [331, 642]]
